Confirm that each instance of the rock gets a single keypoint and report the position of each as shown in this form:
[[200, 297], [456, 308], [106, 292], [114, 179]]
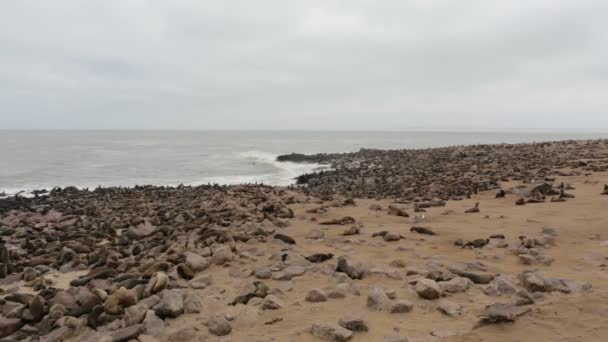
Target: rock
[[428, 289], [316, 296], [154, 325], [533, 281], [192, 303], [330, 332], [315, 234], [502, 284], [263, 273], [522, 297], [201, 282], [256, 289], [271, 302], [450, 309], [289, 272], [196, 262], [497, 243], [401, 306], [545, 259], [455, 285], [377, 299], [398, 263], [498, 313], [336, 293], [171, 304], [392, 236], [185, 334], [526, 259], [354, 230], [473, 271], [221, 255], [397, 211], [128, 333], [354, 322], [218, 325], [343, 221], [135, 314], [353, 271], [376, 207]]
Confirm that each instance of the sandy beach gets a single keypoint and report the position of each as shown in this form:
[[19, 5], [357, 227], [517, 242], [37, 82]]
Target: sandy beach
[[256, 263]]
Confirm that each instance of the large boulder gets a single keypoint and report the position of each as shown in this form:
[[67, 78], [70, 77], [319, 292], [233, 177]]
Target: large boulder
[[330, 332], [428, 289], [218, 325], [353, 271], [171, 304], [477, 272]]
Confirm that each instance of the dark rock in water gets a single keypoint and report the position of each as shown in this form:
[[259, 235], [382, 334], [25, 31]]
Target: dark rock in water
[[422, 230], [301, 158], [320, 257], [285, 238], [501, 194], [343, 221]]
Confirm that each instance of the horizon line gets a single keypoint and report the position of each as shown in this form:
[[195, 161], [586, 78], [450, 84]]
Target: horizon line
[[405, 130]]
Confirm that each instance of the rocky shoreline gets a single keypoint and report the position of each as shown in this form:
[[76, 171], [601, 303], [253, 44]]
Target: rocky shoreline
[[232, 263], [449, 173]]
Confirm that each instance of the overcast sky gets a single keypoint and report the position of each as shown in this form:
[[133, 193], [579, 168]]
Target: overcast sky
[[278, 64]]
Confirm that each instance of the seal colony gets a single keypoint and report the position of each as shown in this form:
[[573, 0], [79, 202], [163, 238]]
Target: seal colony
[[467, 243]]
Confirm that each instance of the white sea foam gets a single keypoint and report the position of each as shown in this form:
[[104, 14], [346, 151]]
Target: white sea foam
[[284, 173], [276, 173]]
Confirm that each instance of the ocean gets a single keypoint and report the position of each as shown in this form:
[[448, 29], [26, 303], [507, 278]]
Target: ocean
[[44, 159]]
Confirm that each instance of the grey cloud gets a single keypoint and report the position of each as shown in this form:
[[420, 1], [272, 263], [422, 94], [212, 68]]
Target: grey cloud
[[358, 64]]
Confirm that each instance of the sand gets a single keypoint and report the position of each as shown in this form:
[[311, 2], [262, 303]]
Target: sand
[[580, 254]]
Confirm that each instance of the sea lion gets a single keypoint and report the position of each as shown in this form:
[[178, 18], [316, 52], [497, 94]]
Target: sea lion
[[475, 209]]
